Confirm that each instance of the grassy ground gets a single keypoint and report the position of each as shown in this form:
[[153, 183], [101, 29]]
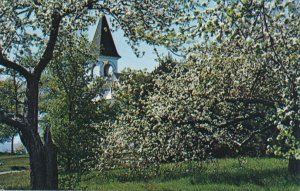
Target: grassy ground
[[15, 181], [13, 162], [224, 174]]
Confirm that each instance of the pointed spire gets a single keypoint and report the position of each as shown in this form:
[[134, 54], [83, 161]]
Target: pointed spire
[[103, 40]]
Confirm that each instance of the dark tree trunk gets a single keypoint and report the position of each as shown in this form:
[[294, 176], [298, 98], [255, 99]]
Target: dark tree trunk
[[12, 144], [43, 160], [69, 134], [294, 164], [51, 161], [38, 172]]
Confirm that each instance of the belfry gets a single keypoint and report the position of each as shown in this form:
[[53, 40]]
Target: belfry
[[107, 56]]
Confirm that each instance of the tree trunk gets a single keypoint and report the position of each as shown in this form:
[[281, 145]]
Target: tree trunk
[[69, 134], [43, 160], [51, 161], [38, 169], [294, 166], [12, 144], [294, 163]]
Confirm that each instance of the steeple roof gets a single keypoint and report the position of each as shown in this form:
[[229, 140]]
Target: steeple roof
[[103, 40]]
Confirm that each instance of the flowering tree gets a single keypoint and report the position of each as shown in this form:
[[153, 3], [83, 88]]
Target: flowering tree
[[187, 113], [241, 78], [30, 27], [159, 126], [259, 42]]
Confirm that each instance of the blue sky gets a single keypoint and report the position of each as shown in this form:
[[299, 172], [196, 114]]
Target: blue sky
[[128, 58]]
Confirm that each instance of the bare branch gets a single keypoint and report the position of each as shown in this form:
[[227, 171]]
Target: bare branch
[[251, 101], [250, 137], [12, 120], [241, 119], [12, 65]]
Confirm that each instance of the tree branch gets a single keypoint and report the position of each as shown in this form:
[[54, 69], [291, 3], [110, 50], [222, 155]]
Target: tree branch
[[241, 119], [251, 136], [36, 2], [48, 54], [12, 65], [12, 120], [251, 101]]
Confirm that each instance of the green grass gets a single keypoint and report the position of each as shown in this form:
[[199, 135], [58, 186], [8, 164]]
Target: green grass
[[15, 181], [13, 162], [224, 174], [268, 174]]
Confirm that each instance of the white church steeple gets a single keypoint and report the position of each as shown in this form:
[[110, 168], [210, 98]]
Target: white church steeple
[[105, 49], [107, 55]]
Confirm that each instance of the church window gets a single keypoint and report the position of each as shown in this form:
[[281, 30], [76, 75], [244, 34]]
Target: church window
[[108, 70]]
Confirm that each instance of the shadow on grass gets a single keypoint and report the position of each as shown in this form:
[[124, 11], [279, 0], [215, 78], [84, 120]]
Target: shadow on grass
[[278, 176], [18, 168]]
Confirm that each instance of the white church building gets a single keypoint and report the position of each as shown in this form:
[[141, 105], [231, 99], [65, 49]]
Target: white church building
[[108, 56]]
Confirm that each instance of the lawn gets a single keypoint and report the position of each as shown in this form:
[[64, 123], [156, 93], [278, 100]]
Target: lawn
[[14, 181], [13, 162], [222, 174]]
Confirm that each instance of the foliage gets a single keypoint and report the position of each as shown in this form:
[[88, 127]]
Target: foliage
[[287, 119], [6, 133], [135, 86], [166, 65], [70, 107], [238, 85], [12, 96], [181, 114], [35, 28], [257, 42], [30, 20], [240, 76], [21, 150]]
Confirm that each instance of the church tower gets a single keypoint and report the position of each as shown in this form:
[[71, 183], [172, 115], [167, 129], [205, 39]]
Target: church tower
[[108, 56], [105, 49]]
